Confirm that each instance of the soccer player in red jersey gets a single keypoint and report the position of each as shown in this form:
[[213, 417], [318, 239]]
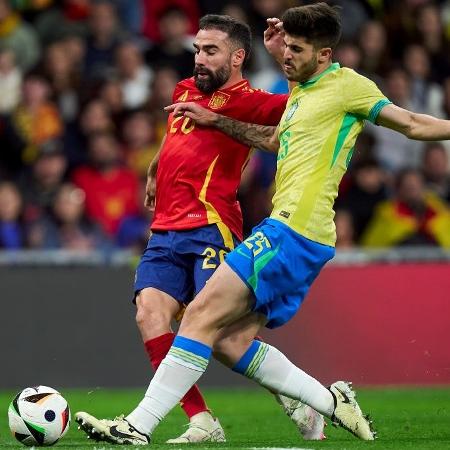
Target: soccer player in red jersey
[[197, 218]]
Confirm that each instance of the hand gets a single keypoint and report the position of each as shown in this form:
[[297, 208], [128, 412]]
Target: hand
[[200, 115], [274, 39], [150, 193]]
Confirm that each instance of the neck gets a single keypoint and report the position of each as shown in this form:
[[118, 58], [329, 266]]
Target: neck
[[234, 79], [320, 69]]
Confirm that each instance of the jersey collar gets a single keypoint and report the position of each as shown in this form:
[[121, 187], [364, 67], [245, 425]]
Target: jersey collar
[[239, 85], [311, 81]]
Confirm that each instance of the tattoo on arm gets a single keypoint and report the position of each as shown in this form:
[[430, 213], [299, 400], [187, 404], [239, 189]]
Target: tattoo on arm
[[259, 136]]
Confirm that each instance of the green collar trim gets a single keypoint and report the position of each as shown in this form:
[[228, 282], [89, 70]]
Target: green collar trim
[[331, 68]]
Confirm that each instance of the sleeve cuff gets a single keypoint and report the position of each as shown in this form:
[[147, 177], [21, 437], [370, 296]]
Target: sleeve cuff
[[377, 108]]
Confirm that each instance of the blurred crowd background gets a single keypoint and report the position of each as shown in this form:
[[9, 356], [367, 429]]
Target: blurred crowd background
[[83, 84]]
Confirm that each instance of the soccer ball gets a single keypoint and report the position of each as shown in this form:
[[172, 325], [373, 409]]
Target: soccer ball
[[39, 416]]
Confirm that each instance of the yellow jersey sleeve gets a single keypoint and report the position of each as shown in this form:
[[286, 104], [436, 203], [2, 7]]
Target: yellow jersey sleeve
[[362, 97]]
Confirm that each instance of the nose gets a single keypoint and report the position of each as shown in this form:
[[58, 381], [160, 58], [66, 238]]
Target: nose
[[287, 54], [200, 59]]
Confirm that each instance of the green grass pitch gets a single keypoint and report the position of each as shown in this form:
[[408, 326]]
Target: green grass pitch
[[404, 418]]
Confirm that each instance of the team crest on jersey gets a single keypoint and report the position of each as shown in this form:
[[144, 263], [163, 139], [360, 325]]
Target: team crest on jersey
[[218, 100], [292, 110]]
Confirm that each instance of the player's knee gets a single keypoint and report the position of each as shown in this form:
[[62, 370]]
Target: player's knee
[[197, 315], [152, 315]]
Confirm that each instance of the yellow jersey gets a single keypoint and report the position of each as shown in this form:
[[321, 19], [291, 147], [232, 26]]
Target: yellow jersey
[[317, 134]]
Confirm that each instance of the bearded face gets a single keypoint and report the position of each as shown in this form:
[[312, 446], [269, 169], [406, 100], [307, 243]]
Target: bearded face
[[300, 71], [208, 81]]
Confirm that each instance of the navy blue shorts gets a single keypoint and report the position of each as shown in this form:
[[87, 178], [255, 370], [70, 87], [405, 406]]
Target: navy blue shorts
[[180, 263], [278, 265]]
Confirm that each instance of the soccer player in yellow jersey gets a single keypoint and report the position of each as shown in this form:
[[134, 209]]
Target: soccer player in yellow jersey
[[264, 280]]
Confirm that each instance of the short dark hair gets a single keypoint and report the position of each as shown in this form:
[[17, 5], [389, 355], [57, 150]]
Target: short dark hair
[[239, 32], [318, 23]]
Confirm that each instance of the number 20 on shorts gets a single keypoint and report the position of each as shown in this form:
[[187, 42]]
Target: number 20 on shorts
[[210, 261]]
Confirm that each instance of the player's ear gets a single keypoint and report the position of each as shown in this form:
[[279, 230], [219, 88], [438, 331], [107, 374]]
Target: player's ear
[[238, 57], [324, 55]]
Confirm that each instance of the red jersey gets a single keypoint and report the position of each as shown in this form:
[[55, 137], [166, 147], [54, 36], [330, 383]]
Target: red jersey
[[200, 168], [109, 197]]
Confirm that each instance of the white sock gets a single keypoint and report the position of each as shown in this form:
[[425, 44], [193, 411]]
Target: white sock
[[271, 369], [177, 373]]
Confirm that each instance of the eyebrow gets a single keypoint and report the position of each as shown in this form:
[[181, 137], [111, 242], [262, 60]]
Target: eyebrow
[[205, 47], [293, 44]]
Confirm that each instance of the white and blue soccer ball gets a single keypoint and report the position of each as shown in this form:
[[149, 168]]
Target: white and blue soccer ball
[[39, 416]]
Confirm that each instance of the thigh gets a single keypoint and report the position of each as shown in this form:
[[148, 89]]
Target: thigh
[[223, 301], [212, 244], [160, 269]]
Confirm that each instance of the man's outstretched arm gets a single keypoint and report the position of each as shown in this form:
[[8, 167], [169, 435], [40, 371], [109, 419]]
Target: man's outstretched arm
[[259, 136], [413, 125]]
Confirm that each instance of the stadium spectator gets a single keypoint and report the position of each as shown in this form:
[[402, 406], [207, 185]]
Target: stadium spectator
[[426, 94], [134, 231], [11, 226], [95, 118], [41, 182], [345, 231], [262, 70], [34, 121], [18, 36], [175, 48], [235, 10], [131, 13], [393, 150], [111, 94], [112, 191], [10, 82], [66, 17], [372, 41], [162, 89], [67, 227], [139, 142], [260, 10], [103, 39], [414, 217], [354, 15], [135, 77], [75, 47], [431, 35], [349, 55], [65, 80], [436, 170], [155, 8], [367, 189]]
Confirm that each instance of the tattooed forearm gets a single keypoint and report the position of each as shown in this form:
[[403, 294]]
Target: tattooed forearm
[[259, 136]]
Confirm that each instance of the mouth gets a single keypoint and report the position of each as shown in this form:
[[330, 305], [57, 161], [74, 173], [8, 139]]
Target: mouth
[[287, 67], [202, 75]]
